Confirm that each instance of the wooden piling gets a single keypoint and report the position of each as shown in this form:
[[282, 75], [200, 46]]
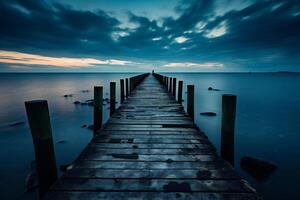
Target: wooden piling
[[40, 126], [227, 129], [190, 100], [167, 83], [130, 84], [170, 85], [127, 88], [122, 95], [98, 108], [180, 85], [112, 97], [174, 87]]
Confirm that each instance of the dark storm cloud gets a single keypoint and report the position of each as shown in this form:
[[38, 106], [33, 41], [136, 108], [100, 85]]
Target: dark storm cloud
[[262, 30], [33, 24]]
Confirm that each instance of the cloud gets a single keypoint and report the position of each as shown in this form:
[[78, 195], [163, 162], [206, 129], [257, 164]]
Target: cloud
[[181, 39], [206, 31], [17, 59], [218, 31], [19, 67], [194, 65]]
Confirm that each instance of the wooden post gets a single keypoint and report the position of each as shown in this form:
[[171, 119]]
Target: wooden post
[[122, 95], [227, 129], [127, 88], [167, 82], [190, 101], [180, 84], [98, 108], [170, 85], [131, 84], [174, 87], [40, 126], [112, 97]]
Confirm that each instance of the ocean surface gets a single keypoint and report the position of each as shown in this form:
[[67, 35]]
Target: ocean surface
[[267, 123]]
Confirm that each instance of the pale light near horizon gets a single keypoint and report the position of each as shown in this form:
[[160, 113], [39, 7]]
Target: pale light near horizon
[[194, 65], [17, 58]]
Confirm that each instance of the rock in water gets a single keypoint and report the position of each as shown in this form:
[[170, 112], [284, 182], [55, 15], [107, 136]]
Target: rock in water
[[16, 124], [68, 95], [90, 127], [66, 167], [31, 181], [258, 169], [213, 89], [76, 102], [208, 114]]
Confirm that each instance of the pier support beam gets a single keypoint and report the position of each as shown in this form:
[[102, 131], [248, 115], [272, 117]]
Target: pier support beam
[[112, 98], [180, 86], [40, 126], [98, 108], [227, 129], [174, 87], [190, 100], [127, 88], [122, 95], [170, 85]]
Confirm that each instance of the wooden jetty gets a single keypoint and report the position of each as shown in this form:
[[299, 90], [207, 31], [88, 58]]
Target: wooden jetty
[[150, 149]]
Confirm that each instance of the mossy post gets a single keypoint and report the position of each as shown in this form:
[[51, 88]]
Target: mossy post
[[122, 94], [227, 129], [174, 87], [112, 97], [98, 108], [40, 126], [180, 85], [127, 88], [190, 100]]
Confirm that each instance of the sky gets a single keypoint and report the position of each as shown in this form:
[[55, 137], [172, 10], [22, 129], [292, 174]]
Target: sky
[[137, 35]]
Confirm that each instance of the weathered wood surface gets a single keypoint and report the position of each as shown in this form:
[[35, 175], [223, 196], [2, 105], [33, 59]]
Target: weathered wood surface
[[150, 149]]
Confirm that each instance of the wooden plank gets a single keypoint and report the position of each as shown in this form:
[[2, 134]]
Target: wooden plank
[[150, 185], [151, 174], [79, 195], [218, 165], [178, 151]]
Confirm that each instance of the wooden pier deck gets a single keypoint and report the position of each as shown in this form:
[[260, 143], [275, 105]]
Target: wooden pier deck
[[150, 149]]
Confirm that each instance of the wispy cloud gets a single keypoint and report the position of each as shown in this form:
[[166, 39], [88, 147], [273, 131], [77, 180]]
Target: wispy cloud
[[17, 59], [194, 65], [181, 39]]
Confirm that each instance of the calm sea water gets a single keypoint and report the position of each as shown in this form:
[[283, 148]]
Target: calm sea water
[[267, 124]]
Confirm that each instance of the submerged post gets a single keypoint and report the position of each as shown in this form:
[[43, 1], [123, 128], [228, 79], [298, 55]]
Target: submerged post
[[98, 101], [174, 87], [112, 97], [190, 101], [122, 95], [40, 126], [180, 84], [227, 129], [127, 89]]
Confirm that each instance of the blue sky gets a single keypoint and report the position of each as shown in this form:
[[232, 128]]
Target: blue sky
[[136, 35]]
